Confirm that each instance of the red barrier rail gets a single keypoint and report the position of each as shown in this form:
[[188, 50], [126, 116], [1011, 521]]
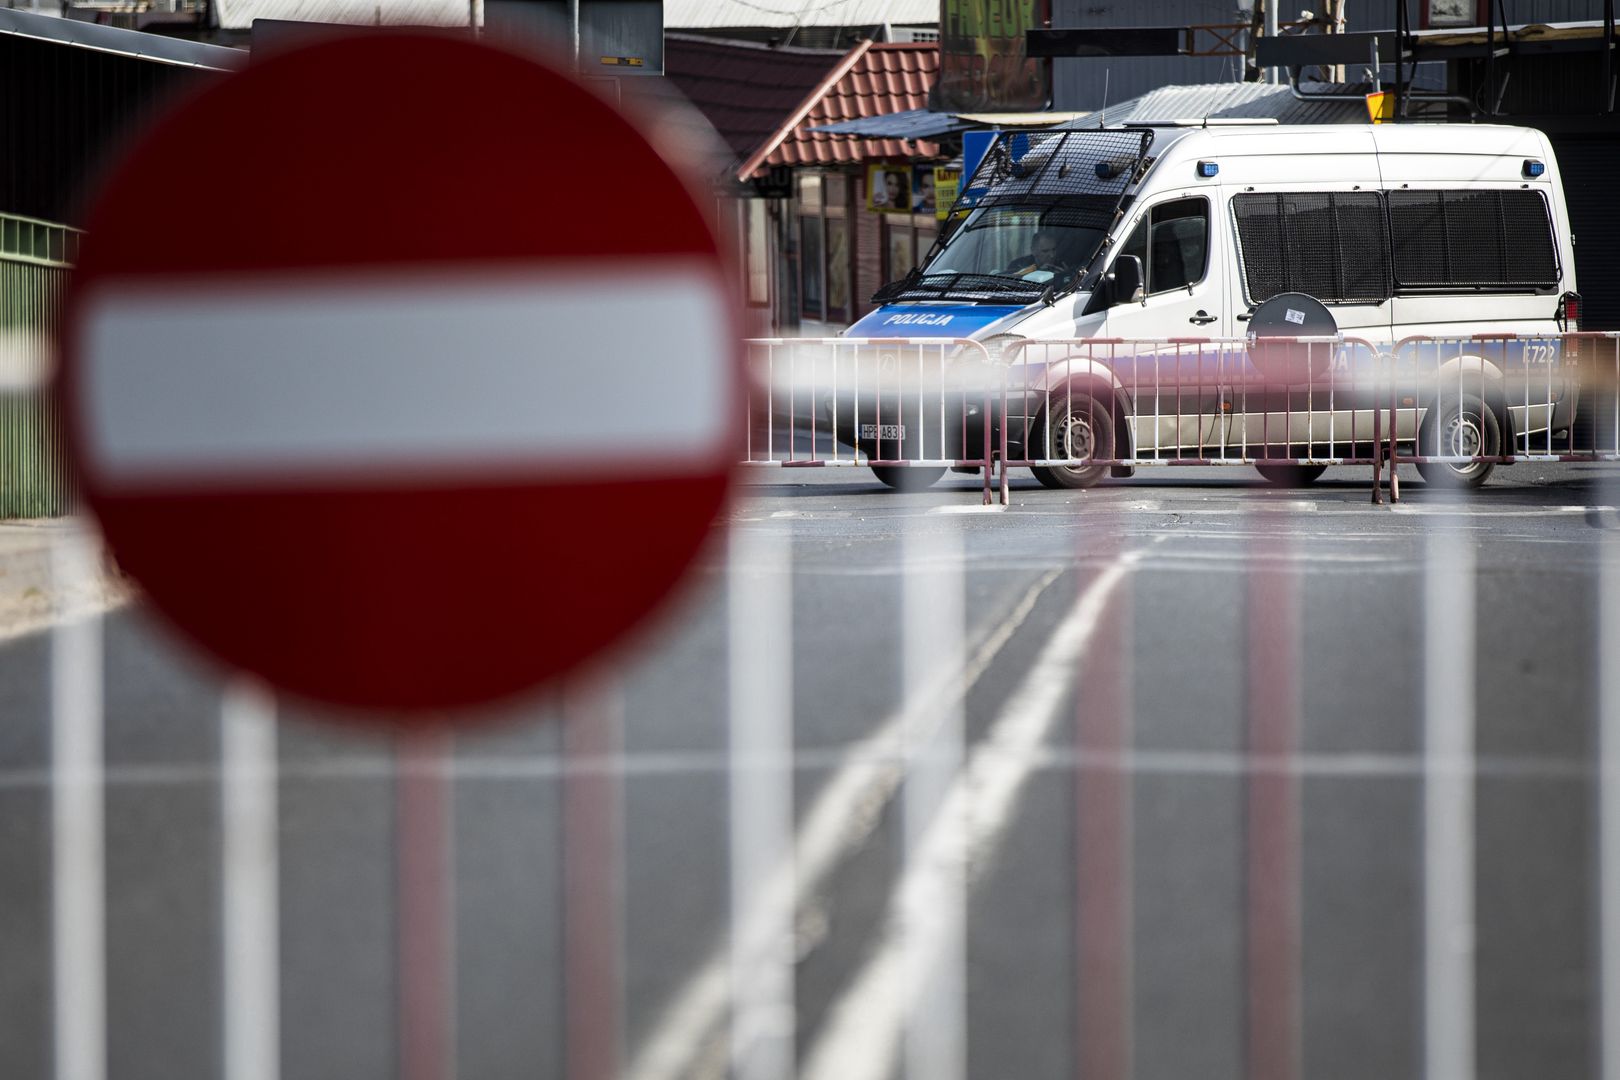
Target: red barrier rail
[[1073, 410], [908, 408], [1463, 405]]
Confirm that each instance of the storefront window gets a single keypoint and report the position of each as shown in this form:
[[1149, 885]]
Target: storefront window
[[809, 193], [837, 271], [759, 253], [897, 252], [812, 270], [837, 191]]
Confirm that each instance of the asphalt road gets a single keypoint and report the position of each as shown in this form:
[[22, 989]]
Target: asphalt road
[[1176, 777]]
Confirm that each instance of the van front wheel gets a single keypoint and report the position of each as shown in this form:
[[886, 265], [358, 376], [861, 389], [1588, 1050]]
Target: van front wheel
[[907, 477], [1291, 476], [1076, 427], [1463, 427]]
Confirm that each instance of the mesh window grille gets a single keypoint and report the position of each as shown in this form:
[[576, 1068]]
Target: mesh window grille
[[1488, 239], [1083, 172], [1331, 245]]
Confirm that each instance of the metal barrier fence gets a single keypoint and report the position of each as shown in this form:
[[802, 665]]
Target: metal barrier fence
[[909, 408], [35, 259], [1073, 410], [1069, 410], [1467, 404]]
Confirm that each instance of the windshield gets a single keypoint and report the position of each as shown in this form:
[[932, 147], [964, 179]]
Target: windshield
[[1001, 253], [1042, 206], [1035, 245]]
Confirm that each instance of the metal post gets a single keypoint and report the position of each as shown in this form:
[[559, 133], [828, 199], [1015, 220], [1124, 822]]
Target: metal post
[[573, 32], [1271, 32]]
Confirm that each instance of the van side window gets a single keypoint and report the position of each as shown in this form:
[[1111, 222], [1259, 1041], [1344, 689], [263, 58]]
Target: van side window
[[1330, 244], [1492, 239], [1173, 243]]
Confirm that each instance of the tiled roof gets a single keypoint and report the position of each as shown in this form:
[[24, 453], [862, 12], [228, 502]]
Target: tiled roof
[[743, 89], [715, 14], [871, 80]]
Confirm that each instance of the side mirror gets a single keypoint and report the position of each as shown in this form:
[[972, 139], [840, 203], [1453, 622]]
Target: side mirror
[[1125, 280]]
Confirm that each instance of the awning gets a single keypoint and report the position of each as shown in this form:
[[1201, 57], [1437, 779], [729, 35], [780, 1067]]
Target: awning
[[928, 124], [911, 124]]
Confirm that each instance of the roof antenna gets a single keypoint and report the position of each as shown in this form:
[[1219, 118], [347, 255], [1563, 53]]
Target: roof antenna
[[1103, 112]]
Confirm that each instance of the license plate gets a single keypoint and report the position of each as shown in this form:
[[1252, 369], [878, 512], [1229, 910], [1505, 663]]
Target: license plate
[[883, 431]]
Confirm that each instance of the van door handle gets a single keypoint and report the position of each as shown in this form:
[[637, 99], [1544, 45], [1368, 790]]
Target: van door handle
[[1201, 318]]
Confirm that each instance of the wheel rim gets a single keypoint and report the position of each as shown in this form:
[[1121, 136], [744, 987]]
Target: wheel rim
[[1464, 437], [1076, 438]]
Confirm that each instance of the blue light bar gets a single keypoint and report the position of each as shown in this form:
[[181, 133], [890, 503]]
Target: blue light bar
[[1533, 168], [1207, 169]]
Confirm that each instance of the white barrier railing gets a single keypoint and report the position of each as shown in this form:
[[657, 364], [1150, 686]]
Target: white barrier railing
[[1071, 410]]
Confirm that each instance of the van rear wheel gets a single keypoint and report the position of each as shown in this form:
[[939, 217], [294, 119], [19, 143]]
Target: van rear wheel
[[1076, 427], [1459, 428]]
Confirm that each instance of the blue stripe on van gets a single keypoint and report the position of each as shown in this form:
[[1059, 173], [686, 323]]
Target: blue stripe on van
[[930, 320]]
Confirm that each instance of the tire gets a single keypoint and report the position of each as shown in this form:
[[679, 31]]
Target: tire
[[1078, 426], [1291, 476], [1465, 427], [906, 477]]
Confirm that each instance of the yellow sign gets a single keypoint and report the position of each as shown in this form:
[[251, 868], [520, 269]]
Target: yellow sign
[[946, 183], [1380, 106], [623, 61]]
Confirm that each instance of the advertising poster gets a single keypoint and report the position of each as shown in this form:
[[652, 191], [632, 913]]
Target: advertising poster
[[923, 196], [889, 189], [982, 64]]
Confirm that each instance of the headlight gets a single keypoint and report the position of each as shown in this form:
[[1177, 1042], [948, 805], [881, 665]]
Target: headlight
[[997, 346]]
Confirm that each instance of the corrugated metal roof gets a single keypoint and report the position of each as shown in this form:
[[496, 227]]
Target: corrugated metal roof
[[1226, 101], [112, 39], [873, 80], [745, 90], [716, 14], [239, 14]]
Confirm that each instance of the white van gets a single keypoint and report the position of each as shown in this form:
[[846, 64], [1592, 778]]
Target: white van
[[1171, 231]]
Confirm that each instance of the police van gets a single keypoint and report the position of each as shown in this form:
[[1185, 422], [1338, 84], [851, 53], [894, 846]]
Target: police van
[[1155, 233]]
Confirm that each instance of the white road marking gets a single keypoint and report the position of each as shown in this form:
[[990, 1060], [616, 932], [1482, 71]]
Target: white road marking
[[837, 823], [760, 779], [969, 508], [78, 824], [1609, 812], [933, 943], [1448, 809], [859, 1039], [391, 372], [251, 912]]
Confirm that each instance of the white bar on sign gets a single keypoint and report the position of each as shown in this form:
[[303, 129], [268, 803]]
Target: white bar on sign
[[374, 373]]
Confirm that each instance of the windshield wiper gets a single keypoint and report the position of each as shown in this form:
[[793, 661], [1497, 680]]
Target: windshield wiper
[[970, 287]]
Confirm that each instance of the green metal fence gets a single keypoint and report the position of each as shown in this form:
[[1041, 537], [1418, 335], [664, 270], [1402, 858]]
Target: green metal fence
[[35, 257]]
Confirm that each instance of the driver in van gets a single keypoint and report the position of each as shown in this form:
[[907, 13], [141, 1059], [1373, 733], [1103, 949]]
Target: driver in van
[[1043, 255]]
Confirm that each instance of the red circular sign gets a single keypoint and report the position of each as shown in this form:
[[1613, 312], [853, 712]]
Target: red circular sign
[[402, 371]]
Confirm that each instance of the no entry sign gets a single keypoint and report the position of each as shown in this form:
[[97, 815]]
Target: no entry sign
[[401, 371]]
